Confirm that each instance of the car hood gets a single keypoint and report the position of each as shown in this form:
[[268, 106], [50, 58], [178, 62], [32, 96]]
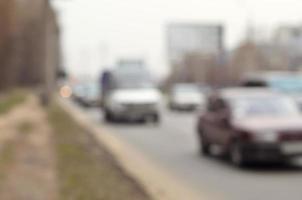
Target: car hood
[[269, 123], [136, 96], [188, 98]]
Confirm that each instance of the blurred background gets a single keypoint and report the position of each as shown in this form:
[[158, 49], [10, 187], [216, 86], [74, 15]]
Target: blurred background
[[170, 78]]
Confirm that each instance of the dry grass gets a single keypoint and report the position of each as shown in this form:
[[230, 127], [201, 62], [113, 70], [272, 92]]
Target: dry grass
[[85, 169], [11, 100], [25, 127], [6, 158]]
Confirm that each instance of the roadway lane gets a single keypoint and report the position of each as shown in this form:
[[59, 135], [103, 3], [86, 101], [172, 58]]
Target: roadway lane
[[174, 146]]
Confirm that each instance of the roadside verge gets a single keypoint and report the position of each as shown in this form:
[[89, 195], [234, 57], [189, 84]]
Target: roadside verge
[[156, 181]]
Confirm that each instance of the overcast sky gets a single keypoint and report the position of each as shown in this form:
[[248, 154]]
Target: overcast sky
[[97, 32]]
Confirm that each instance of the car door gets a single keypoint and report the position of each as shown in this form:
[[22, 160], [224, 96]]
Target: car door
[[222, 129], [208, 121], [218, 129]]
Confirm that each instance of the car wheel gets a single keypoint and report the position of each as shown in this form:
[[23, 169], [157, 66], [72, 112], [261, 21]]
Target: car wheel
[[108, 116], [237, 156], [156, 118], [205, 148]]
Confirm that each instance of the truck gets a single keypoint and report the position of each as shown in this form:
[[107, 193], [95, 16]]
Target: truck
[[129, 93]]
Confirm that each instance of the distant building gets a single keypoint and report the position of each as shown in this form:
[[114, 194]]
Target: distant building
[[185, 38], [289, 35], [195, 51], [288, 39]]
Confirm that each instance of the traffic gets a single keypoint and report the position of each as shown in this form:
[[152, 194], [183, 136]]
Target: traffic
[[151, 100], [258, 121]]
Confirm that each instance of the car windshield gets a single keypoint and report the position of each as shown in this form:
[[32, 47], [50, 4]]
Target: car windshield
[[186, 88], [133, 80], [264, 106], [78, 90], [92, 89]]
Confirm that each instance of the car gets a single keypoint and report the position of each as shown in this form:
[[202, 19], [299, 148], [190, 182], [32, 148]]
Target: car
[[92, 94], [129, 94], [87, 94], [186, 96], [78, 93], [251, 125]]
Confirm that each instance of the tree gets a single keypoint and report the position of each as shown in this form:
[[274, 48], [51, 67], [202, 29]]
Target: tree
[[248, 57]]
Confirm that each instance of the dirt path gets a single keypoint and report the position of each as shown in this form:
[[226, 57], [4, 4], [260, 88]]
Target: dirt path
[[31, 172]]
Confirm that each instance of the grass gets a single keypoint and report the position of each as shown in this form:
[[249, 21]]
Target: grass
[[85, 169], [8, 102], [7, 153], [25, 127], [11, 100]]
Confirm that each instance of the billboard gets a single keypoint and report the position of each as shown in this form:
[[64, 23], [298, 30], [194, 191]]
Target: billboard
[[184, 39]]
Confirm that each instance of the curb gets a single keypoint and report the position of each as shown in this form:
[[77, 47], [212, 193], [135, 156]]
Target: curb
[[156, 181]]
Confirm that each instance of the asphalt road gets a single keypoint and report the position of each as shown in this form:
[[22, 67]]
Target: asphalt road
[[174, 146]]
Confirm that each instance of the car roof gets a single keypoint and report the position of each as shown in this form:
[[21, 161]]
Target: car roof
[[248, 92], [266, 76]]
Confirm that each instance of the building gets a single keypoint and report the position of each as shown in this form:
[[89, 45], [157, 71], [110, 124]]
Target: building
[[184, 39], [288, 41], [194, 49]]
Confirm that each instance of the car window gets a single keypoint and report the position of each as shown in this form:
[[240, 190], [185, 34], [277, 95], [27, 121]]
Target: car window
[[186, 89], [133, 80], [216, 105]]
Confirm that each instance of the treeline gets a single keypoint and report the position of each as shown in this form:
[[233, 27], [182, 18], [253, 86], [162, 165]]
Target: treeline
[[282, 51], [29, 44]]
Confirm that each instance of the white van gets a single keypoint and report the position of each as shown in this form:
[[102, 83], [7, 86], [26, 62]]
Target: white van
[[130, 94]]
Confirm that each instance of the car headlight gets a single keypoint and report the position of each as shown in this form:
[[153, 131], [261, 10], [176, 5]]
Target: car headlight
[[267, 137]]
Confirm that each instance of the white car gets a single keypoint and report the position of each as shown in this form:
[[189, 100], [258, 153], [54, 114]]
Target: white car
[[134, 104], [88, 94], [186, 97]]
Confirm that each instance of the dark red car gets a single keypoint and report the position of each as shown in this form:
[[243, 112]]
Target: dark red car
[[251, 125]]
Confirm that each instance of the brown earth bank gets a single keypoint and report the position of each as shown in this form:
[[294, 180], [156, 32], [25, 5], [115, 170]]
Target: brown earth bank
[[30, 170], [46, 155], [86, 169]]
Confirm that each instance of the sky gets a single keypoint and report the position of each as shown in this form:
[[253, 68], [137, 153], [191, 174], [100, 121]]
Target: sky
[[96, 33]]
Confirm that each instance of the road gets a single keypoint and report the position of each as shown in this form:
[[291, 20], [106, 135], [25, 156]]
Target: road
[[174, 146]]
